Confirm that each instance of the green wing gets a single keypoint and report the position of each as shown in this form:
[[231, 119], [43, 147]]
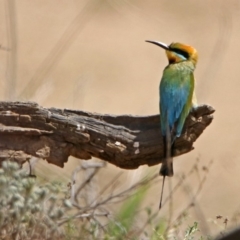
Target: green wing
[[176, 91]]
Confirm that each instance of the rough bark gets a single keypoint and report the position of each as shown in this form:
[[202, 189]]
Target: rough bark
[[27, 129]]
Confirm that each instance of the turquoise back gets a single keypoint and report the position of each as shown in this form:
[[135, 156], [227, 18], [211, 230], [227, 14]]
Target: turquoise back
[[176, 91]]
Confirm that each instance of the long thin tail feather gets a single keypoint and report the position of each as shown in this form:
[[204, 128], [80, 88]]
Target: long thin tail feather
[[160, 203], [167, 163]]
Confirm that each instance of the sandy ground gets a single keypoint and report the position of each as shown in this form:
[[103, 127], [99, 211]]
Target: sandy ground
[[91, 55]]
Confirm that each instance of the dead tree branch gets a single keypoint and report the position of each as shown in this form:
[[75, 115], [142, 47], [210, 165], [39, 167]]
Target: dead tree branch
[[27, 129]]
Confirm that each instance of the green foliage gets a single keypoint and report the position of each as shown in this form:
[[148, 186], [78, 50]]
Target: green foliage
[[121, 227], [159, 230], [27, 210], [33, 210], [190, 232]]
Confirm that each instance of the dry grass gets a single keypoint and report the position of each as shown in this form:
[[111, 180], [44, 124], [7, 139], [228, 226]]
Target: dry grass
[[30, 209]]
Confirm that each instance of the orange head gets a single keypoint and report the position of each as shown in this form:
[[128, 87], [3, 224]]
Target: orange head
[[178, 52]]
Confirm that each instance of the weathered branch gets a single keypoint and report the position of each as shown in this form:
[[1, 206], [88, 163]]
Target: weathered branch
[[27, 129]]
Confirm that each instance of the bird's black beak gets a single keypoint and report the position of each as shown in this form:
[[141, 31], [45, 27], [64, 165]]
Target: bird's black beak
[[160, 44]]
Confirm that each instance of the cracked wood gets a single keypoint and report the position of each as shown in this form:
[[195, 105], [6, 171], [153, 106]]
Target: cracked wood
[[27, 129]]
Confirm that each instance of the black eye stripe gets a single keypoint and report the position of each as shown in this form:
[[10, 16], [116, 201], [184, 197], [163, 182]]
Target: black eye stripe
[[181, 52]]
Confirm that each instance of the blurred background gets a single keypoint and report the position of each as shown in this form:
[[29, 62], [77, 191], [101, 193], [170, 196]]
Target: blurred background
[[91, 55]]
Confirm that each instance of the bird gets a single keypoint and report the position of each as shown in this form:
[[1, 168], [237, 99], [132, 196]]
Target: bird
[[177, 98]]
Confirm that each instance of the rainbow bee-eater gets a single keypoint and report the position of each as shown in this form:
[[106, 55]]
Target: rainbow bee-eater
[[176, 98]]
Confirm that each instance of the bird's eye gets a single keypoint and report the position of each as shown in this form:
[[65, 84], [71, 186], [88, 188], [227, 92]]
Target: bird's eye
[[180, 52]]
